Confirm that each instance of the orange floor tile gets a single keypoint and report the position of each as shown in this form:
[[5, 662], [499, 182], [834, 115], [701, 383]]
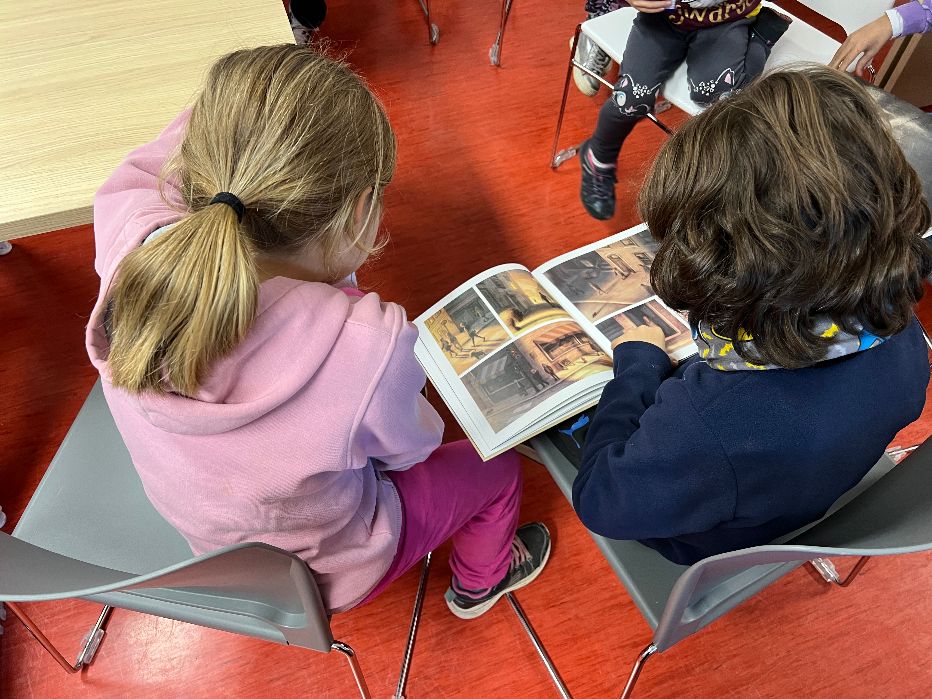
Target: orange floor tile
[[473, 189]]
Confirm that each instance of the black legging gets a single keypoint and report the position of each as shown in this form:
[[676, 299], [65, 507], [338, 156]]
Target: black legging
[[719, 59]]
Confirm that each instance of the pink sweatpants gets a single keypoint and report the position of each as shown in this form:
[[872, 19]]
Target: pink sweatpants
[[455, 494]]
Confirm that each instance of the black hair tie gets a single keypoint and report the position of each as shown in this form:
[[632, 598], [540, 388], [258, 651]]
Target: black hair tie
[[232, 201]]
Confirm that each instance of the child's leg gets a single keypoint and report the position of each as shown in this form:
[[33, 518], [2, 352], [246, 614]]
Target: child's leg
[[455, 494], [654, 50], [727, 57]]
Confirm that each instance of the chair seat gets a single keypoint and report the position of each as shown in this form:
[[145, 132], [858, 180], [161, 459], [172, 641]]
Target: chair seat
[[801, 43], [648, 576]]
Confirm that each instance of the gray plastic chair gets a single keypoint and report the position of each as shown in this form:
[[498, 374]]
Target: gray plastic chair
[[251, 589], [889, 512], [90, 532]]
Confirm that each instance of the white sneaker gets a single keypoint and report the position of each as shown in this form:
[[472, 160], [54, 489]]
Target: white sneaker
[[595, 59]]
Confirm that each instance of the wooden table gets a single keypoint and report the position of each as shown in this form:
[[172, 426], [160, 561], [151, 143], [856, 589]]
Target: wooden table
[[83, 83]]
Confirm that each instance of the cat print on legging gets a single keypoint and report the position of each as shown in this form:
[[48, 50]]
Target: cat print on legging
[[707, 88], [638, 92]]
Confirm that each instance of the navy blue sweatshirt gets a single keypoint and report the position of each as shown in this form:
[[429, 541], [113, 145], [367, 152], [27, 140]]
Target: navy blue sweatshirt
[[705, 461]]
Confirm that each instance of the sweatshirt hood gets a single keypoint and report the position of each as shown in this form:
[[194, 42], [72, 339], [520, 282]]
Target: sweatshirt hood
[[296, 327]]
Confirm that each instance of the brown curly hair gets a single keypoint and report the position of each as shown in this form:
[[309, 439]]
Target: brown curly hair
[[788, 201]]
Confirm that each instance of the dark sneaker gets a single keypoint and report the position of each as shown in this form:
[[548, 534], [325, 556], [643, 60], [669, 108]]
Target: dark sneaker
[[529, 553], [595, 59], [598, 185], [770, 25], [306, 16]]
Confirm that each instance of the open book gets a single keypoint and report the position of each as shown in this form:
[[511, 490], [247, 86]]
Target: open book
[[512, 352]]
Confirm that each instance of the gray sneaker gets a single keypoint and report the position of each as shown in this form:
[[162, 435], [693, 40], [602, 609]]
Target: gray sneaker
[[530, 551], [595, 59]]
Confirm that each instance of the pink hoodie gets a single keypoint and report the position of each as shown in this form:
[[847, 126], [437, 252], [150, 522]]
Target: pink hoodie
[[286, 440]]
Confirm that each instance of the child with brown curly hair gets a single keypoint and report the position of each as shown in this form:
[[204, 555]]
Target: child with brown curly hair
[[789, 224]]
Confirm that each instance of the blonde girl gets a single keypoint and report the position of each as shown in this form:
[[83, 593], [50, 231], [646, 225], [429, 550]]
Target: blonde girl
[[261, 399]]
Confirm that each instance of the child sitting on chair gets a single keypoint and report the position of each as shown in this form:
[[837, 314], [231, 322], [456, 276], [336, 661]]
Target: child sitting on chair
[[261, 398], [789, 224], [725, 45]]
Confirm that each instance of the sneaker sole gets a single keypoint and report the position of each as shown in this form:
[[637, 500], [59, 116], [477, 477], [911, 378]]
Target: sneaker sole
[[582, 80], [481, 609]]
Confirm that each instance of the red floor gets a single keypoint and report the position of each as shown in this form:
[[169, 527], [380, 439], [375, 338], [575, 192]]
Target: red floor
[[473, 190]]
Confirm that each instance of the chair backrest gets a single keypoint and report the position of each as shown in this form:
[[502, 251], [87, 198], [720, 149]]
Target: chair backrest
[[90, 531], [91, 505], [850, 14], [233, 589], [893, 516]]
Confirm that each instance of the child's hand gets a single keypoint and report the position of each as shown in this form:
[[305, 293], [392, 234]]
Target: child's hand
[[650, 5], [650, 334], [869, 39]]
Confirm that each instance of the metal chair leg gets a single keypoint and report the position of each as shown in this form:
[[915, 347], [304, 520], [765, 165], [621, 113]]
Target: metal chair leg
[[433, 31], [495, 53], [412, 632], [900, 451], [636, 670], [830, 574], [350, 656], [558, 158], [659, 124], [539, 647], [91, 641]]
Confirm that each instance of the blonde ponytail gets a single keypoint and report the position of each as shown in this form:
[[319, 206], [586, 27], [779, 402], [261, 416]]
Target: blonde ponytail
[[298, 138], [182, 301]]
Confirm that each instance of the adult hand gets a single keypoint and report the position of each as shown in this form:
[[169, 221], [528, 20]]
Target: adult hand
[[650, 5], [650, 334], [869, 39]]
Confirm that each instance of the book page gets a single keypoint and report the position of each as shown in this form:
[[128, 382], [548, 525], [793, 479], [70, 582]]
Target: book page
[[606, 288], [488, 443], [508, 353]]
